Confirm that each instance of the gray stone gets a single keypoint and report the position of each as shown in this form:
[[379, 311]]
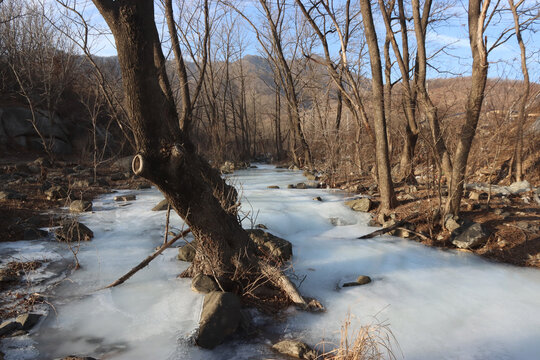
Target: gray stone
[[78, 206], [301, 186], [291, 186], [203, 284], [519, 187], [220, 318], [28, 321], [129, 197], [270, 244], [450, 223], [187, 252], [18, 124], [73, 231], [162, 205], [317, 198], [361, 204], [8, 327], [296, 349], [470, 237]]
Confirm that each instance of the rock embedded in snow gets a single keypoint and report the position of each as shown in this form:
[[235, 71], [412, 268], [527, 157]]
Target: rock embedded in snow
[[78, 206], [271, 244], [73, 231], [361, 280], [188, 251], [203, 284], [162, 205], [361, 204], [125, 197], [317, 198], [470, 236], [220, 318], [291, 186], [296, 349], [28, 321], [273, 187], [9, 327]]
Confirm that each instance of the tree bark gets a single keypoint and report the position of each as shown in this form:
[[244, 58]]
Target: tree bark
[[166, 155], [386, 188], [522, 112], [477, 16]]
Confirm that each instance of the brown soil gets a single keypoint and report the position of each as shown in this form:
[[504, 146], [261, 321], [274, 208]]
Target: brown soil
[[513, 224]]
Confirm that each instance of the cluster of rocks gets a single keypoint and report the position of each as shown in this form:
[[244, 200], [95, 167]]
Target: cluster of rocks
[[222, 313]]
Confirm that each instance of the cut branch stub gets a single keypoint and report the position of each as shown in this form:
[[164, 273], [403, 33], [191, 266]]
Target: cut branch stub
[[138, 164]]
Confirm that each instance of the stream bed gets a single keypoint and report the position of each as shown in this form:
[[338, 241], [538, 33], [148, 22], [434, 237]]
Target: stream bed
[[439, 304]]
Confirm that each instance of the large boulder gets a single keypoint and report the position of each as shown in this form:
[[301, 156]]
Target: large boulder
[[361, 204], [270, 244], [73, 231], [220, 318], [19, 126], [296, 349], [470, 236]]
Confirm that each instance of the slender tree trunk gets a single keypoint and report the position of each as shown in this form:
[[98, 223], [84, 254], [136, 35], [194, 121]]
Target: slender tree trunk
[[477, 16], [522, 112], [386, 188]]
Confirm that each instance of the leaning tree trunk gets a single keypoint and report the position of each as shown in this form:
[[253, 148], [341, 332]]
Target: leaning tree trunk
[[167, 157], [477, 16]]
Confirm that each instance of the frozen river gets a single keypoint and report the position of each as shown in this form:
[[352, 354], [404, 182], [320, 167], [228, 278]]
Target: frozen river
[[438, 304]]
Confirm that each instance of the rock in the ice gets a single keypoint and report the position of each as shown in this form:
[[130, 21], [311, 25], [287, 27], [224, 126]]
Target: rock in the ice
[[78, 206], [296, 349], [73, 231], [361, 280], [220, 318], [28, 321], [203, 284], [187, 252], [270, 244], [9, 327], [361, 204]]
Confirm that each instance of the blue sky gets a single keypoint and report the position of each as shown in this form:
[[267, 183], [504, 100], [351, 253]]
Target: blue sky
[[450, 35]]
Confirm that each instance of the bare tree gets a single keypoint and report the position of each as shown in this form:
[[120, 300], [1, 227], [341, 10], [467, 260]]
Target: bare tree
[[166, 155], [386, 188]]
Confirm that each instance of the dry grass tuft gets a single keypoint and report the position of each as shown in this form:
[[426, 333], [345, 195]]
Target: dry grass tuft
[[370, 342]]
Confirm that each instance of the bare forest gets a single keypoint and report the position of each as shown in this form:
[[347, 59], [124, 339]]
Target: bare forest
[[426, 112]]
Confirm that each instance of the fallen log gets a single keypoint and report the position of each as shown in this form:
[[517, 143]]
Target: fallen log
[[146, 261], [388, 228]]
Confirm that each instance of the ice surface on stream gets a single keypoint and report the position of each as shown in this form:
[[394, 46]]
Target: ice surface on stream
[[439, 304]]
